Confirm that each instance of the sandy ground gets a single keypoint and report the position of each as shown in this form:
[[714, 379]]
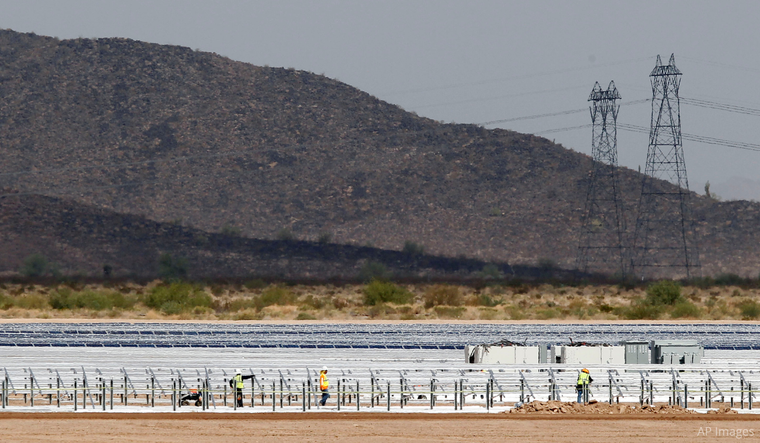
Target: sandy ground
[[369, 427]]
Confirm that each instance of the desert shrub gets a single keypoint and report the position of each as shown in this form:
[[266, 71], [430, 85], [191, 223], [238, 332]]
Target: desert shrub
[[749, 309], [6, 301], [449, 311], [170, 268], [663, 292], [442, 295], [324, 238], [685, 309], [729, 280], [514, 312], [255, 284], [490, 272], [412, 248], [35, 265], [274, 295], [340, 303], [176, 298], [487, 313], [378, 291], [285, 234], [230, 230], [32, 301], [65, 298], [305, 316], [311, 302], [547, 314], [239, 304], [373, 270]]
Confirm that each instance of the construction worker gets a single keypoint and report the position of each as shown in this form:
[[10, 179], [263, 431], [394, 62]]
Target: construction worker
[[324, 385], [236, 383], [584, 379]]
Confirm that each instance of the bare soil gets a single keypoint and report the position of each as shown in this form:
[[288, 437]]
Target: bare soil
[[372, 427]]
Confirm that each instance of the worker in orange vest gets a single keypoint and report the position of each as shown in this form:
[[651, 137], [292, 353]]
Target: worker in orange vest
[[324, 385]]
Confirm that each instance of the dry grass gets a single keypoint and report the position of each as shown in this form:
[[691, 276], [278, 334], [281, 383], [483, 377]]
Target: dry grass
[[429, 302]]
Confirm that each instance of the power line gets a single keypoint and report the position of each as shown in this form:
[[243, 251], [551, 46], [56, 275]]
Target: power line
[[698, 138], [554, 114], [720, 106]]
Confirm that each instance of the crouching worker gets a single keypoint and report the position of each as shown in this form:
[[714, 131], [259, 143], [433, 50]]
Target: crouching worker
[[324, 385], [236, 383], [584, 380]]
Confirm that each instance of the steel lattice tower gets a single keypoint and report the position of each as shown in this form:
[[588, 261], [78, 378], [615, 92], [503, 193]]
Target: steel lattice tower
[[603, 226], [665, 236]]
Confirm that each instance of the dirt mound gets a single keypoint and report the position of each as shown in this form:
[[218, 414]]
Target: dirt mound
[[557, 407]]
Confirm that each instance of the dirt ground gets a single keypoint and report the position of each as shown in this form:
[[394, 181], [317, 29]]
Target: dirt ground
[[370, 427]]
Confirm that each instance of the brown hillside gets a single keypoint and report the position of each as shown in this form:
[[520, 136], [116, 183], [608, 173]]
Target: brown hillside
[[203, 141]]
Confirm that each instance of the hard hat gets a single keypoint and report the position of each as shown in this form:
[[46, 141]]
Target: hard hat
[[324, 368], [584, 370], [237, 371]]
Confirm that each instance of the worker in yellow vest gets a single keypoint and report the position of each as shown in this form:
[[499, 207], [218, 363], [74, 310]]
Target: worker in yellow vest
[[584, 379], [324, 385], [237, 384]]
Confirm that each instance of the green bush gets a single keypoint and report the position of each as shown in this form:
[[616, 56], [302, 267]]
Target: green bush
[[176, 298], [412, 248], [305, 316], [65, 298], [750, 310], [642, 311], [490, 272], [685, 309], [35, 265], [442, 295], [324, 238], [285, 234], [230, 230], [6, 302], [378, 291], [32, 301], [373, 270], [663, 292], [730, 280], [274, 295], [170, 268]]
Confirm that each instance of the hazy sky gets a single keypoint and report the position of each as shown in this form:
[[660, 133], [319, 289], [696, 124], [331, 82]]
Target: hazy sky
[[473, 61]]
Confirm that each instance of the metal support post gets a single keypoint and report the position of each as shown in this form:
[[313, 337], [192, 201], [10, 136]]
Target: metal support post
[[685, 395], [274, 396], [103, 394], [456, 396], [488, 396], [175, 400], [75, 395], [389, 395], [610, 388], [651, 393], [522, 391], [31, 390], [338, 395], [431, 393], [281, 390], [358, 401], [749, 389]]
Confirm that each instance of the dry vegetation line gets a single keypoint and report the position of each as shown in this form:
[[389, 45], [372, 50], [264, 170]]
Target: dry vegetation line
[[378, 300]]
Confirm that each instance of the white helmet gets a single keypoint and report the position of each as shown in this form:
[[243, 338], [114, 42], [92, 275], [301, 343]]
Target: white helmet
[[237, 371], [324, 368]]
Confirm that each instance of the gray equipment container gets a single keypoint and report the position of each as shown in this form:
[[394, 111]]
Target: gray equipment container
[[636, 352], [676, 352]]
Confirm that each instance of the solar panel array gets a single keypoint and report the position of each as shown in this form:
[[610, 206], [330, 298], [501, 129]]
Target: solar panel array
[[363, 336]]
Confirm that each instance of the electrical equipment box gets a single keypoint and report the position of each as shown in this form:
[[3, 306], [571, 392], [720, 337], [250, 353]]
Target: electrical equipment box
[[636, 352], [588, 355], [505, 355], [676, 352]]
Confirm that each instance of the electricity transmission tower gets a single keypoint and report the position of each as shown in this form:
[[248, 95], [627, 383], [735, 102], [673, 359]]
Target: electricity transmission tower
[[603, 226], [665, 235]]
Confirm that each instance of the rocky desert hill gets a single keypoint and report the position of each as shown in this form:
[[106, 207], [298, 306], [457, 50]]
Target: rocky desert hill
[[207, 143]]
